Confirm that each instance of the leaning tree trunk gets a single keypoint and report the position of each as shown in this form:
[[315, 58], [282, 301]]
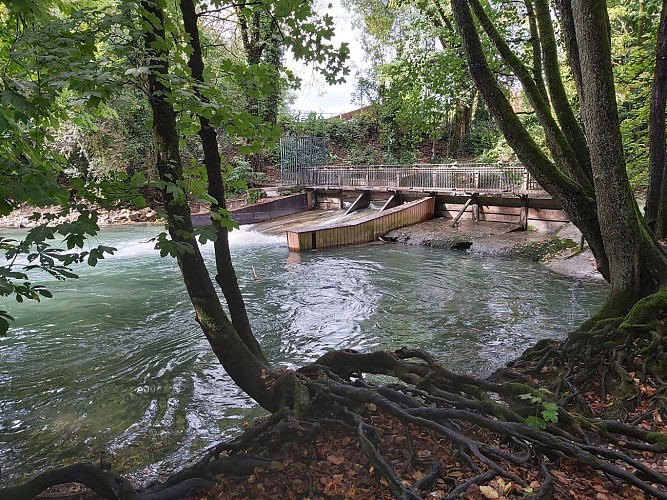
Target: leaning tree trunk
[[238, 360], [656, 209], [559, 99], [575, 199], [637, 265], [568, 36], [226, 276]]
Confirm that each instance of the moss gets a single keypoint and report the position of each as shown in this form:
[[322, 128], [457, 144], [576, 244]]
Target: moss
[[658, 439], [646, 310], [286, 191], [253, 195], [461, 243], [292, 393], [546, 249]]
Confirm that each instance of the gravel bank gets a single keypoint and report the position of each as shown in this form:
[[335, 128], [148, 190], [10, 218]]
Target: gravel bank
[[559, 250]]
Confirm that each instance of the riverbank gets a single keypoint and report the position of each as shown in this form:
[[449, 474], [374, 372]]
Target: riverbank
[[559, 250], [21, 217]]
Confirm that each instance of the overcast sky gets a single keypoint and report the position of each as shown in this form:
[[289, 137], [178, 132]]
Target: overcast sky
[[315, 94]]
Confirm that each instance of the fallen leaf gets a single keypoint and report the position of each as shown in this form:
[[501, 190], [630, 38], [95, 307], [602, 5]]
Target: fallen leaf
[[336, 459], [488, 492]]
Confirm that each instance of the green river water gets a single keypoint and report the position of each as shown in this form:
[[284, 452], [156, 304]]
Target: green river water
[[115, 366]]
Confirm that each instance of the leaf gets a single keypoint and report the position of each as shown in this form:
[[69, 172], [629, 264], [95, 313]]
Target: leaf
[[336, 459], [4, 326], [488, 492], [536, 422]]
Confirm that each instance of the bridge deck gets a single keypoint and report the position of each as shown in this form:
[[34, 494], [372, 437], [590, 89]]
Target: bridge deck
[[493, 179]]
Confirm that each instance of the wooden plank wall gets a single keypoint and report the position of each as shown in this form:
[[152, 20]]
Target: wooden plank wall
[[362, 230], [501, 209]]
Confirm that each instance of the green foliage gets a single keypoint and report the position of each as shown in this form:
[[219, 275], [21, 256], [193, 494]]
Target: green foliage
[[75, 124], [173, 248], [240, 176], [634, 27], [546, 411], [334, 129], [253, 195], [351, 142]]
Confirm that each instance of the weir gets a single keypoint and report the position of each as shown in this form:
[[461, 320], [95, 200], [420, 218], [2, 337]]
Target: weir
[[363, 230], [479, 192]]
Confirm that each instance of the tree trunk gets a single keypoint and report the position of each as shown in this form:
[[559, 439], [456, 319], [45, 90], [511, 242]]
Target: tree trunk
[[641, 20], [656, 208], [577, 202], [226, 276], [536, 46], [561, 104], [637, 265], [273, 56], [569, 37], [262, 43], [239, 362], [561, 150]]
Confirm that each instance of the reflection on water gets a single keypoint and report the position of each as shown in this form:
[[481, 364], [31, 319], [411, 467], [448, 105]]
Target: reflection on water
[[116, 366]]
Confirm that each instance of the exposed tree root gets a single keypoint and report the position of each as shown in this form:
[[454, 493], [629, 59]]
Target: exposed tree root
[[483, 421]]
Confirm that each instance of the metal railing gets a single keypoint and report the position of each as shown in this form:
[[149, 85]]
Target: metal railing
[[495, 177]]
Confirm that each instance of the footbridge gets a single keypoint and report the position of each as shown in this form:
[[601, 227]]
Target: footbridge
[[502, 192], [489, 179]]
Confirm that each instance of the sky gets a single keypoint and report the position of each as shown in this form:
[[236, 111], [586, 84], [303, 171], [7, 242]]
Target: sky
[[315, 95]]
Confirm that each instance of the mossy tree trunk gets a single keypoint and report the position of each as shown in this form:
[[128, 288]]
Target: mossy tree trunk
[[577, 200], [656, 207], [638, 266], [592, 185]]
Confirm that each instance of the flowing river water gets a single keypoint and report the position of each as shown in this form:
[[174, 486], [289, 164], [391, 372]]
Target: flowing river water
[[115, 367]]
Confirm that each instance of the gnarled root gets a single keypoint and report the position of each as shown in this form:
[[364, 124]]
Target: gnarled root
[[483, 423]]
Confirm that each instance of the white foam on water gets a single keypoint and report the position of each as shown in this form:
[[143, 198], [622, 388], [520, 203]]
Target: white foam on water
[[134, 248], [246, 236]]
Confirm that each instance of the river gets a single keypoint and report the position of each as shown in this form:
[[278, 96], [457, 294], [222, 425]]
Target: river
[[115, 367]]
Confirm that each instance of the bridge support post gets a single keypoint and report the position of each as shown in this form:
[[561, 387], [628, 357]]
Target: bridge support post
[[523, 220], [392, 202], [362, 201], [475, 207]]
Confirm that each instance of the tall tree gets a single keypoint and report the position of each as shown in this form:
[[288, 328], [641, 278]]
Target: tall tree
[[237, 358], [656, 205], [424, 93], [263, 45], [605, 209]]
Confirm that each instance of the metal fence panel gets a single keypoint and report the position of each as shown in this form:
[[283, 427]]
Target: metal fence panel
[[297, 153], [450, 177]]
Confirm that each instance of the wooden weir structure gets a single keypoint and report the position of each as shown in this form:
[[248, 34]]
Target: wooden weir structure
[[363, 230], [502, 192]]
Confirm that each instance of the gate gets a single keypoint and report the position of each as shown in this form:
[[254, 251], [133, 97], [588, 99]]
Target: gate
[[297, 153]]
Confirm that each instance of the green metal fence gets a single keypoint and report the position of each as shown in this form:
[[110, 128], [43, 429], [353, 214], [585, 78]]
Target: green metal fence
[[297, 153]]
